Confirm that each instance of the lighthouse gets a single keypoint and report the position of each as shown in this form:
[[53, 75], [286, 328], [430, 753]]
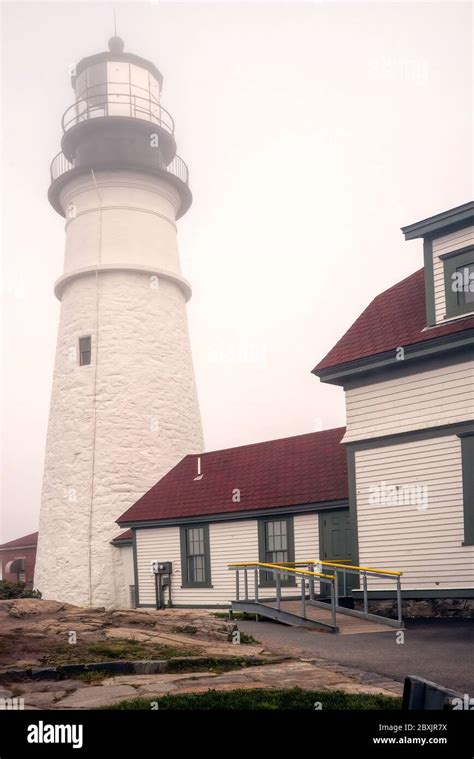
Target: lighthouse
[[124, 406]]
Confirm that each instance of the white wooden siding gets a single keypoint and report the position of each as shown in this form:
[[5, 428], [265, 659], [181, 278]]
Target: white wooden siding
[[456, 240], [124, 575], [126, 553], [421, 540], [229, 542], [419, 401]]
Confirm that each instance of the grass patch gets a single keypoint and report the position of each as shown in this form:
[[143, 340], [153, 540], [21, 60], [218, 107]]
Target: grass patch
[[120, 649], [93, 678], [214, 665], [235, 615], [185, 630], [289, 699], [116, 650]]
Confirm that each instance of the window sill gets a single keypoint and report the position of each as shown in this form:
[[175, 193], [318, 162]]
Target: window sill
[[196, 585], [456, 316]]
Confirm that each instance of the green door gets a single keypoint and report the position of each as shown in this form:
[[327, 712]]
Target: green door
[[335, 544]]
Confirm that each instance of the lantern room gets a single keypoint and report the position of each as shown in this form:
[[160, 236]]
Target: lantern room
[[116, 84], [117, 122]]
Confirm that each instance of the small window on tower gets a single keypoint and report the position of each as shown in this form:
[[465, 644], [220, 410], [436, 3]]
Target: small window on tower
[[84, 350]]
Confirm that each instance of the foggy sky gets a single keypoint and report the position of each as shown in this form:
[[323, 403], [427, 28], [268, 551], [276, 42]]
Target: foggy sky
[[312, 133]]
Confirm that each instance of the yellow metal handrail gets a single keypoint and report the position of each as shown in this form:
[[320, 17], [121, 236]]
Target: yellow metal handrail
[[282, 567], [361, 569], [345, 566]]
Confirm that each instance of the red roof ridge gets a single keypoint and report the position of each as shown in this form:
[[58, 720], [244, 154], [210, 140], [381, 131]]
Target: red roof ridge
[[25, 541], [262, 442], [126, 535], [418, 273]]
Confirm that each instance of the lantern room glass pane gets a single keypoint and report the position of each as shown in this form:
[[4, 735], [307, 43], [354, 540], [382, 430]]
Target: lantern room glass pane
[[80, 84], [91, 91], [96, 79], [117, 88]]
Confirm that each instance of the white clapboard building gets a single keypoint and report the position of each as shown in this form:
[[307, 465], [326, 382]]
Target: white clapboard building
[[394, 489]]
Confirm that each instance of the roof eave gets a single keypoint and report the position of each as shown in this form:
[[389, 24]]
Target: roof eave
[[460, 216], [340, 373], [233, 516]]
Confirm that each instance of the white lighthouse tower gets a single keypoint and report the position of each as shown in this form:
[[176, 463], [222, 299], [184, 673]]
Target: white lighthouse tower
[[124, 407]]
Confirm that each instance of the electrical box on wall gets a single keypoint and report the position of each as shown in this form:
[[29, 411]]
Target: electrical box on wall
[[161, 567]]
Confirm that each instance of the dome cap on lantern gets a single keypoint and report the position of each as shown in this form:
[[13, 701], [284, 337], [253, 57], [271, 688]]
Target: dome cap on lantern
[[116, 53], [116, 45]]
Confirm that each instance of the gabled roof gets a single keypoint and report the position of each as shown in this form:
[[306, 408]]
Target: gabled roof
[[292, 471], [396, 317], [27, 541], [123, 538]]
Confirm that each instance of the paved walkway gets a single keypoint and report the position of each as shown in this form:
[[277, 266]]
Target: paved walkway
[[439, 650]]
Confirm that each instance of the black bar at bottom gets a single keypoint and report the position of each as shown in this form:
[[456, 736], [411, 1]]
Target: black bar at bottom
[[122, 733]]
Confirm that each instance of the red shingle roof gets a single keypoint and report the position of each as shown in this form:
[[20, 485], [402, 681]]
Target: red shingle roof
[[296, 470], [26, 540], [395, 318], [123, 536]]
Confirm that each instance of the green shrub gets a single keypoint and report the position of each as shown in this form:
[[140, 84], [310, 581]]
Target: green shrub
[[10, 590]]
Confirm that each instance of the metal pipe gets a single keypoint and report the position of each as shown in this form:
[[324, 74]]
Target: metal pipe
[[336, 588], [303, 596], [357, 569], [364, 586], [278, 590], [157, 593], [256, 585], [333, 606], [399, 602], [311, 582], [246, 584], [237, 585]]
